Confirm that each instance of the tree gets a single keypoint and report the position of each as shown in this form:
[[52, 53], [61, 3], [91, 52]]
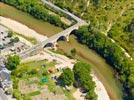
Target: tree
[[84, 80], [17, 94], [16, 39], [67, 77], [73, 52], [37, 10], [12, 62], [130, 26], [91, 95], [10, 34], [111, 52]]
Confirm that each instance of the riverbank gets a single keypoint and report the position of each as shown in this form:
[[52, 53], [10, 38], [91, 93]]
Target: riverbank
[[102, 70], [13, 24], [63, 62], [39, 26], [21, 29]]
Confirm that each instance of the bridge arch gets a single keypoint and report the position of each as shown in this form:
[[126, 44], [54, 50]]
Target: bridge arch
[[49, 45], [62, 38], [73, 32]]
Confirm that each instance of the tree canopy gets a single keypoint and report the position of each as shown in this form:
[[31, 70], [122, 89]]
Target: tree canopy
[[37, 10], [113, 55], [12, 62], [67, 77], [83, 79]]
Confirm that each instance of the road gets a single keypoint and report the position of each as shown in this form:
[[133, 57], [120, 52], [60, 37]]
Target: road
[[63, 11]]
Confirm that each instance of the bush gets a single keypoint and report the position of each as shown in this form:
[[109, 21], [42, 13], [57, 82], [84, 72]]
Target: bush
[[12, 62], [17, 94], [10, 34], [16, 39]]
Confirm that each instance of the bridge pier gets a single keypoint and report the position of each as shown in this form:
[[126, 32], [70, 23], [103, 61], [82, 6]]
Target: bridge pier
[[67, 38], [55, 46]]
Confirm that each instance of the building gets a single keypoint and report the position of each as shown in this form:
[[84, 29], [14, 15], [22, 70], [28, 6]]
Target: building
[[5, 80]]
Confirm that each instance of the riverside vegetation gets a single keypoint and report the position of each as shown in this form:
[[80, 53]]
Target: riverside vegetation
[[113, 55], [36, 9], [81, 78]]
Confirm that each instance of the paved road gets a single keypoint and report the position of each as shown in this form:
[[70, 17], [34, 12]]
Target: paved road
[[3, 96], [63, 11]]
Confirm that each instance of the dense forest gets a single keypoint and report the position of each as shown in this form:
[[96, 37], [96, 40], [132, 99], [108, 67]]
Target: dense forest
[[113, 55], [123, 32], [105, 16], [36, 9]]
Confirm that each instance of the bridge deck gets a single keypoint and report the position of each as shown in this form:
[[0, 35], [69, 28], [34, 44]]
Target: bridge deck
[[53, 38]]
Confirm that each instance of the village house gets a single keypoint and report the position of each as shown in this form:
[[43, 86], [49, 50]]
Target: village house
[[5, 80]]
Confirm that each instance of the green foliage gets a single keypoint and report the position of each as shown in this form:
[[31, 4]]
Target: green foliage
[[99, 12], [36, 9], [33, 72], [130, 26], [83, 79], [26, 97], [17, 94], [10, 34], [67, 77], [16, 39], [123, 31], [34, 93], [73, 52], [112, 53], [91, 95], [12, 62]]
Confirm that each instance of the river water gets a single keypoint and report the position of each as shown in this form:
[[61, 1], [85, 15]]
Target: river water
[[102, 70]]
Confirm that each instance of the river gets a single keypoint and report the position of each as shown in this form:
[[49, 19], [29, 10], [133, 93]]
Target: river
[[103, 71]]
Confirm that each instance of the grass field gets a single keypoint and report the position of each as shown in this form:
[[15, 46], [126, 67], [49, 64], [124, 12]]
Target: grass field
[[38, 25], [101, 69]]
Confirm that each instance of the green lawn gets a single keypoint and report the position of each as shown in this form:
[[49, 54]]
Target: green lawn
[[100, 67], [38, 25], [23, 74], [34, 93]]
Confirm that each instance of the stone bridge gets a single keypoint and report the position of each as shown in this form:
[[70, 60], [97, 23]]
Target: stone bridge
[[52, 41]]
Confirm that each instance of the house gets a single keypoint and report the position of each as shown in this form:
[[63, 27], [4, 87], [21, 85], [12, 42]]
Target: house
[[5, 80]]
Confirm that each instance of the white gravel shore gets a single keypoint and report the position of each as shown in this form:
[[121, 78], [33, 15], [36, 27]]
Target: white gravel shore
[[21, 29]]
